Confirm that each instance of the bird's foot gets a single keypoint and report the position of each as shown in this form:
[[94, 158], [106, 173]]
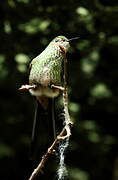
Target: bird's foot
[[27, 87], [57, 87]]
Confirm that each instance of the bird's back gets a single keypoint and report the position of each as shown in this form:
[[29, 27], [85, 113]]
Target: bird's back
[[46, 68]]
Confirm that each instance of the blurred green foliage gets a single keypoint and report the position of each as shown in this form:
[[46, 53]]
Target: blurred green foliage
[[26, 27]]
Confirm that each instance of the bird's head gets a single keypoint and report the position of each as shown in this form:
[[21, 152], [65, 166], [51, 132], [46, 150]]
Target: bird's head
[[62, 42]]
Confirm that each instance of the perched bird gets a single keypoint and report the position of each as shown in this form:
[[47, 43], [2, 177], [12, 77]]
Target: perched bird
[[45, 71]]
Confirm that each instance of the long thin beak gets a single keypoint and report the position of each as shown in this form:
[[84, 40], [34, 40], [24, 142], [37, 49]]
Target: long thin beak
[[73, 38]]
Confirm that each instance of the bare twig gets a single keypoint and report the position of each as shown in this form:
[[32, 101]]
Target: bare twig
[[50, 150], [68, 122]]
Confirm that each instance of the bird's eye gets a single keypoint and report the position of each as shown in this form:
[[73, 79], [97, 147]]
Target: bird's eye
[[56, 40]]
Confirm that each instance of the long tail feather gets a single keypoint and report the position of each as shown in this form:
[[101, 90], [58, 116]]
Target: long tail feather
[[53, 117], [43, 132]]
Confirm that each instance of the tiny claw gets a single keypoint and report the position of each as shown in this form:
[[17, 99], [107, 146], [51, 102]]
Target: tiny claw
[[27, 87], [57, 87]]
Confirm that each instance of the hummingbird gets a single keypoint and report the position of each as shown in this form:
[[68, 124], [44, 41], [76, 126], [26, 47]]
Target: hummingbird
[[46, 70], [45, 73]]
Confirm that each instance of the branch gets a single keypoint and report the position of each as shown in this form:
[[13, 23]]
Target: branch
[[68, 122], [45, 157]]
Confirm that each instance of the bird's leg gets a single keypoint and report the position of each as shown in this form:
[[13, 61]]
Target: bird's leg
[[68, 122], [27, 87], [57, 87]]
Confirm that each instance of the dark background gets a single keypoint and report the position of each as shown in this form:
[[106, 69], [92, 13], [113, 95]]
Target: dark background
[[26, 27]]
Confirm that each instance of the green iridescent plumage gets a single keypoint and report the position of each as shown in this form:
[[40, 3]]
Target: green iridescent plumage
[[47, 67], [48, 63]]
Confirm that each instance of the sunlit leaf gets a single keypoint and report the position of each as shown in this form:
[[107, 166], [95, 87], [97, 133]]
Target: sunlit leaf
[[89, 63], [43, 25], [78, 174], [5, 151], [94, 137], [21, 58], [101, 91], [83, 44], [3, 69], [11, 3], [2, 58], [113, 40], [7, 27], [23, 1], [94, 55], [74, 107], [82, 11], [89, 125], [34, 25], [22, 68], [86, 65], [102, 35]]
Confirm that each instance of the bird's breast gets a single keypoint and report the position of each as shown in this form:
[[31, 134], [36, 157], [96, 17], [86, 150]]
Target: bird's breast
[[44, 91], [45, 77]]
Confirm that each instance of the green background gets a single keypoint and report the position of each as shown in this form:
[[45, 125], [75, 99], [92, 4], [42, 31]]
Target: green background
[[26, 27]]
